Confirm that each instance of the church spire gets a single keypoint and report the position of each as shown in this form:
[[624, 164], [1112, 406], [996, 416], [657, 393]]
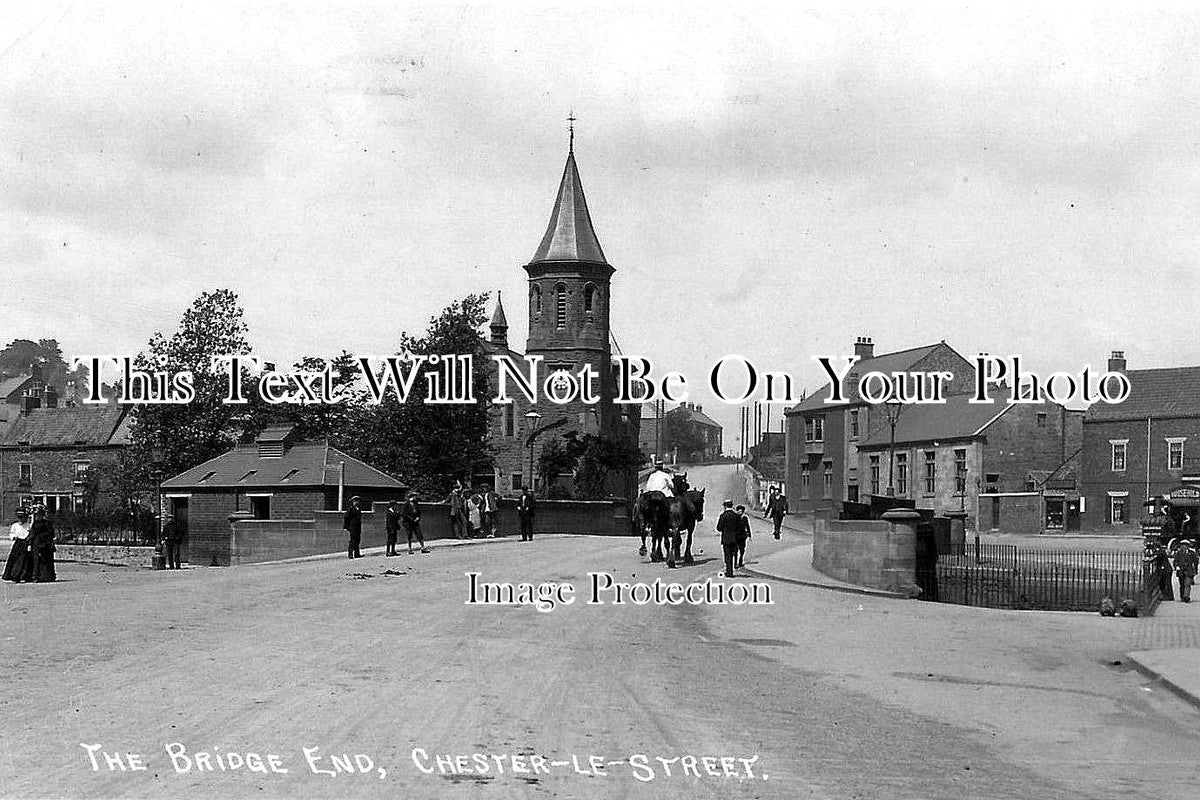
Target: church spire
[[499, 324], [570, 236]]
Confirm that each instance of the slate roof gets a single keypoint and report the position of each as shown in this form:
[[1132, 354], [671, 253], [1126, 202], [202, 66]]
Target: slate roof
[[302, 464], [88, 425], [698, 417], [887, 363], [10, 385], [955, 419], [1169, 392], [570, 235]]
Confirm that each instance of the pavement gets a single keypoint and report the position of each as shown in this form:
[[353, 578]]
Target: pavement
[[1174, 630]]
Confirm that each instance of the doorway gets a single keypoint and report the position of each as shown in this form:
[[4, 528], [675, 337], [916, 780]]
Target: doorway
[[179, 510]]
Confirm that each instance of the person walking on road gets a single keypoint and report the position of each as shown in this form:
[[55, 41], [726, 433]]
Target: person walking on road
[[777, 507], [730, 527], [412, 522], [1186, 562], [743, 537], [352, 524], [391, 524], [526, 506]]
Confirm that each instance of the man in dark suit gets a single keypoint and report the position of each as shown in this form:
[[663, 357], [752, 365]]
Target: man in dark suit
[[526, 506], [412, 522], [730, 527], [172, 539], [777, 507], [391, 524], [352, 524]]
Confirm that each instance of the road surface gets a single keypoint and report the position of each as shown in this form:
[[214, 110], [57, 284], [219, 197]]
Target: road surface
[[820, 695]]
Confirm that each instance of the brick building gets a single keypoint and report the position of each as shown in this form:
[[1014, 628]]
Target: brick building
[[822, 463], [701, 427], [988, 459], [19, 393], [273, 478], [47, 453], [1146, 446], [569, 302]]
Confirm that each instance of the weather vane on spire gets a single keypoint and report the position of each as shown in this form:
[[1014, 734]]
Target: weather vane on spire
[[571, 129]]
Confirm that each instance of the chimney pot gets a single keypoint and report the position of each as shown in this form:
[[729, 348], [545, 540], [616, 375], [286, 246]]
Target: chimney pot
[[1116, 363], [864, 348]]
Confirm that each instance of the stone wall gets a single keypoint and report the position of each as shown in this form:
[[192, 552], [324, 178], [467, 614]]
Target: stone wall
[[249, 541], [881, 555]]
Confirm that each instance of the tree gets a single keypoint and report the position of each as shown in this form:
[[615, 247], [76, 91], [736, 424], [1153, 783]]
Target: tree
[[191, 433], [16, 358], [429, 444], [599, 457], [555, 459]]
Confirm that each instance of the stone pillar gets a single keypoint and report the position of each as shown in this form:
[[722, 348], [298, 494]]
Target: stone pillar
[[899, 572], [234, 549]]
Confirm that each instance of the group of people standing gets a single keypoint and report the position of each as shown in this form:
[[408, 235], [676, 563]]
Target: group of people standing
[[408, 515], [1186, 561], [31, 556]]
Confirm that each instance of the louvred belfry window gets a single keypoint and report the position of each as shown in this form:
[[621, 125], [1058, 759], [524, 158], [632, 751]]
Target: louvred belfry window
[[560, 307]]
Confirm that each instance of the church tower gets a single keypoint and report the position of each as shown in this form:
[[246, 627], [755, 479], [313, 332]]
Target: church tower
[[569, 281]]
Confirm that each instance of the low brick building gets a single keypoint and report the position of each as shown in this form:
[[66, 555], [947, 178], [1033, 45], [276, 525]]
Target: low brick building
[[275, 478], [46, 455]]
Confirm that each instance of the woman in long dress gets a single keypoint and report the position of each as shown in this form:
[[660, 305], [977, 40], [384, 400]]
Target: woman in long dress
[[474, 514], [14, 567], [41, 547]]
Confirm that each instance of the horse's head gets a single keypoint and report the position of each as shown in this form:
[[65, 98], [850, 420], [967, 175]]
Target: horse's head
[[697, 498]]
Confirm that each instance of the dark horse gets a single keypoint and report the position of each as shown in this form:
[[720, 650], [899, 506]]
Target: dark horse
[[667, 517]]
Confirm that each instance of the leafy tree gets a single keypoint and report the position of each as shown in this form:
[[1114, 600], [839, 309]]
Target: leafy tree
[[191, 433], [314, 421], [556, 458], [428, 444], [16, 358], [599, 457]]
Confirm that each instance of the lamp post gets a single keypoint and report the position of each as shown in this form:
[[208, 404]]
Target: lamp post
[[157, 458], [892, 408], [533, 418]]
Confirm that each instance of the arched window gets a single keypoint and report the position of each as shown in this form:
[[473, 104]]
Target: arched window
[[560, 306], [536, 299], [589, 298]]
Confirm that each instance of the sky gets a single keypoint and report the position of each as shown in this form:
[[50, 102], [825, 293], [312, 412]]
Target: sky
[[772, 180]]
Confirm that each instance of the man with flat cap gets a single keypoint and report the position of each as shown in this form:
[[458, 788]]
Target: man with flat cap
[[730, 527], [352, 524]]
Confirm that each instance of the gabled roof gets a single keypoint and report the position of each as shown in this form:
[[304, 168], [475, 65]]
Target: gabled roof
[[9, 386], [570, 236], [698, 417], [887, 363], [957, 418], [498, 318], [83, 425], [1170, 392], [303, 464]]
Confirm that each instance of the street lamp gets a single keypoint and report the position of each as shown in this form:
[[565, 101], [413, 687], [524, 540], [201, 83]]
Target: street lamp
[[892, 408], [533, 418], [157, 458]]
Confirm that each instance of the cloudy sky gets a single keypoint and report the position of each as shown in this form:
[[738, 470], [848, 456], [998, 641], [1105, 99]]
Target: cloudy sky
[[771, 180]]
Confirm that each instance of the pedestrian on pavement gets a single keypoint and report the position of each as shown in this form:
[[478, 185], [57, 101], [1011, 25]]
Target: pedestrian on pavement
[[1186, 562], [1162, 567], [352, 524], [475, 514], [18, 532], [41, 548], [777, 507], [744, 537], [172, 541], [491, 511], [526, 507], [730, 527], [391, 525], [458, 512], [412, 522]]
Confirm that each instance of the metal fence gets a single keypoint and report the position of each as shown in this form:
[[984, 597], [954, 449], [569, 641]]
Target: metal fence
[[1051, 580]]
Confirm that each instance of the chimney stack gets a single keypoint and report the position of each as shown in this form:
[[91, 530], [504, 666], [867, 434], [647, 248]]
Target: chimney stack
[[51, 397], [31, 402], [1116, 362], [864, 348]]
